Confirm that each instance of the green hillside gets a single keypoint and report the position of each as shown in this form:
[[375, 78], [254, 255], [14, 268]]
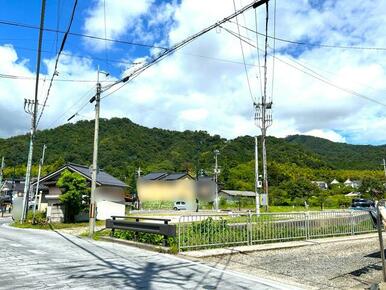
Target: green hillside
[[125, 146], [341, 155]]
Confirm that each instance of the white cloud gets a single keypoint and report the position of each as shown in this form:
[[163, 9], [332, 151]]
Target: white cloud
[[188, 90], [193, 115], [121, 16], [326, 134]]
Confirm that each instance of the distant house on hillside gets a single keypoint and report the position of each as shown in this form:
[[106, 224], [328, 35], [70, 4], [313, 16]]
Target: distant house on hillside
[[321, 184], [109, 194], [163, 186], [334, 182], [352, 183]]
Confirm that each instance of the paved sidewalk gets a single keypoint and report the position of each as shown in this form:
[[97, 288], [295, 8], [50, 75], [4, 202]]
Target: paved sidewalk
[[38, 259]]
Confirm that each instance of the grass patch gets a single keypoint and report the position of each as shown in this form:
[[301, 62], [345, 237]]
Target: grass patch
[[53, 226], [295, 209]]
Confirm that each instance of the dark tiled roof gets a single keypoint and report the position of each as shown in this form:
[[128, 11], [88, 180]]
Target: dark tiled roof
[[154, 176], [175, 176], [164, 176], [103, 178], [238, 192]]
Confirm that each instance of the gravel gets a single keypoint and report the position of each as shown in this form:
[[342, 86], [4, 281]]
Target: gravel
[[340, 265]]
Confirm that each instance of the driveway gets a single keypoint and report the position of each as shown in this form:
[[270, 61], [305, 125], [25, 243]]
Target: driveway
[[37, 259]]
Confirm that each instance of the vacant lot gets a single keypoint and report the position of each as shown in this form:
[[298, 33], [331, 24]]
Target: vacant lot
[[341, 265]]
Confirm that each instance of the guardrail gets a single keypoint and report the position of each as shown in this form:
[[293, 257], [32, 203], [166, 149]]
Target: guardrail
[[137, 225], [219, 230]]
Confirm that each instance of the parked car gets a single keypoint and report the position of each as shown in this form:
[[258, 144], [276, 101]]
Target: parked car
[[179, 205], [362, 204]]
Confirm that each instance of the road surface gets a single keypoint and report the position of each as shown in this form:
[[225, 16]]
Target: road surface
[[37, 259]]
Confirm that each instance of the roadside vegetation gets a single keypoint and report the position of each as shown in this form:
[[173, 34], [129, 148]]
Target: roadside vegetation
[[40, 222]]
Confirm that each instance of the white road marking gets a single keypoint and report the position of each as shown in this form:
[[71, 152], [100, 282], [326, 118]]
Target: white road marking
[[37, 252], [16, 245]]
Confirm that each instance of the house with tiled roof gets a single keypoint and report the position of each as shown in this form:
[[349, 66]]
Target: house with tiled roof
[[109, 194]]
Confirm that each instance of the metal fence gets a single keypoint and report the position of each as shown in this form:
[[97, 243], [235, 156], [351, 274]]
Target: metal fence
[[224, 230]]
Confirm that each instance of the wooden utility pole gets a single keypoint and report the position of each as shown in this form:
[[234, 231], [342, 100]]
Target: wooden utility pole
[[257, 181], [94, 172], [32, 110]]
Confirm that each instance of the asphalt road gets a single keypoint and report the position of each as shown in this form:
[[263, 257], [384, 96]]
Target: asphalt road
[[37, 259]]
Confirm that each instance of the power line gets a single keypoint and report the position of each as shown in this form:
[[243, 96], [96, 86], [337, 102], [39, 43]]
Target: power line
[[180, 45], [55, 73], [258, 55], [313, 44], [85, 95], [16, 77], [318, 76], [18, 24], [76, 56], [274, 48], [104, 20], [242, 53]]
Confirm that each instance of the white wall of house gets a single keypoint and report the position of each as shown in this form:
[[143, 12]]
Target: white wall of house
[[109, 201], [106, 209]]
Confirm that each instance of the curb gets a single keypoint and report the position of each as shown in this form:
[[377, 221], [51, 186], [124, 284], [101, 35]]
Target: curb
[[273, 246], [153, 248]]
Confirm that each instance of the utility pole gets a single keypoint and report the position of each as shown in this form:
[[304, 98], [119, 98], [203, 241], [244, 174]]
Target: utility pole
[[263, 115], [257, 181], [97, 99], [216, 173], [41, 162], [1, 171], [30, 107], [384, 166], [139, 172], [263, 118]]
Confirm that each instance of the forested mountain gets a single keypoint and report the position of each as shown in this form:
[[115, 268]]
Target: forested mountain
[[342, 155], [125, 146]]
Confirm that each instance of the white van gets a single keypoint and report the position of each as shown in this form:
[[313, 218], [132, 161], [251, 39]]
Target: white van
[[179, 205]]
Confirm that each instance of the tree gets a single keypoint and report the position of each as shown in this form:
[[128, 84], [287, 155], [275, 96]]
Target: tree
[[372, 187], [321, 197], [76, 192], [300, 190]]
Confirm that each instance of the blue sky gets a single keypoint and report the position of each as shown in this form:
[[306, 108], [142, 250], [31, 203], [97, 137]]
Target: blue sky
[[332, 93]]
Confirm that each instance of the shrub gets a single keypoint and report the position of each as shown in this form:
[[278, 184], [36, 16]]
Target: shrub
[[40, 218]]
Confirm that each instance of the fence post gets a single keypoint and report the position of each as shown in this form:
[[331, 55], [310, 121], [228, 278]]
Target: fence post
[[307, 225], [352, 222], [179, 234], [136, 233], [113, 229], [165, 241], [249, 228]]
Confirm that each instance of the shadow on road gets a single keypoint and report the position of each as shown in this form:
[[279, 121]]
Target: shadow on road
[[124, 274]]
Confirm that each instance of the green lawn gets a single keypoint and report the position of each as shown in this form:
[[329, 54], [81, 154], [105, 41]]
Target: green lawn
[[54, 226]]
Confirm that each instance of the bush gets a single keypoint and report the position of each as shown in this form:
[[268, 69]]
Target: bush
[[146, 238], [40, 218]]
